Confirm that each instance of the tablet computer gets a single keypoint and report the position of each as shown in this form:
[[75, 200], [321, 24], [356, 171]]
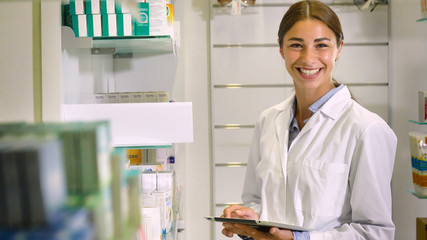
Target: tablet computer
[[260, 224]]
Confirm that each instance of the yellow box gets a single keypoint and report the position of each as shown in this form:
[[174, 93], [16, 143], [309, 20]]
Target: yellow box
[[134, 156]]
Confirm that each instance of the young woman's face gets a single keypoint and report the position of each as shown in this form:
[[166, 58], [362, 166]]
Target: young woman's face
[[310, 50]]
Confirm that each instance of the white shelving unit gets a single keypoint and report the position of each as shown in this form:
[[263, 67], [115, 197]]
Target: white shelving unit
[[124, 64]]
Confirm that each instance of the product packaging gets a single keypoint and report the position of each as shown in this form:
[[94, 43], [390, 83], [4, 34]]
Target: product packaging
[[125, 25], [142, 21], [92, 7], [108, 6], [80, 25], [137, 97], [94, 26], [109, 25], [77, 7], [418, 147]]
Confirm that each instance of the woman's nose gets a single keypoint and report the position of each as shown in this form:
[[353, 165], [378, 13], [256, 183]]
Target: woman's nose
[[308, 55]]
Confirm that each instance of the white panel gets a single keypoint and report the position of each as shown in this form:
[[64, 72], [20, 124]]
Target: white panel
[[253, 26], [260, 24], [218, 227], [16, 61], [229, 184], [374, 98], [250, 65], [363, 26], [244, 105], [138, 124], [362, 64], [145, 73], [232, 145]]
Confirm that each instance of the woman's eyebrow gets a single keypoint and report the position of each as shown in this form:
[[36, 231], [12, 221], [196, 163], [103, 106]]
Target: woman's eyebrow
[[315, 40], [322, 39]]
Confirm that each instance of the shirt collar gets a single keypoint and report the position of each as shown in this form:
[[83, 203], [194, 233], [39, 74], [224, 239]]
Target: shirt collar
[[316, 105]]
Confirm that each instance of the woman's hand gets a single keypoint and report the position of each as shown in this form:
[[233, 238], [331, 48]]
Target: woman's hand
[[237, 211], [273, 234]]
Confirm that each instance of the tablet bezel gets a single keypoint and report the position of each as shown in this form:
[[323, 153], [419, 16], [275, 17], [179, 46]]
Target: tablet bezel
[[260, 224]]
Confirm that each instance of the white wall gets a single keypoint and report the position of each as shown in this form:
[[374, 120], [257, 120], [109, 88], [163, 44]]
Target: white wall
[[16, 62], [408, 74]]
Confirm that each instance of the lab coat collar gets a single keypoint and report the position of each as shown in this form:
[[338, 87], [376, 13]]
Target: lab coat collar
[[335, 106]]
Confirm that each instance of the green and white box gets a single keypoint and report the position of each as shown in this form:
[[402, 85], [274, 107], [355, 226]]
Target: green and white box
[[80, 25], [125, 24], [121, 7], [108, 6], [142, 21], [77, 7], [93, 6], [94, 25], [109, 25]]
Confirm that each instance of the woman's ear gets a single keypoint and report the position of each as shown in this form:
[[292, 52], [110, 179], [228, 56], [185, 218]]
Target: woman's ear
[[339, 50], [280, 49]]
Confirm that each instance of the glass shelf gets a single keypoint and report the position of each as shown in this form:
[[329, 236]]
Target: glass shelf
[[416, 122], [422, 19], [154, 45], [417, 195]]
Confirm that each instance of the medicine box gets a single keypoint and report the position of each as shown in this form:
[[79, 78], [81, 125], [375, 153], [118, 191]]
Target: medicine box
[[92, 7], [80, 25], [100, 98], [125, 26], [77, 7], [121, 7], [125, 97], [422, 103], [163, 96], [158, 17], [108, 6], [150, 97], [142, 21], [94, 26], [109, 25], [113, 98], [421, 228], [137, 97]]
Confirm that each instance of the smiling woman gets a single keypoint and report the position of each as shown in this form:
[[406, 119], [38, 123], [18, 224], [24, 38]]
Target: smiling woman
[[318, 159]]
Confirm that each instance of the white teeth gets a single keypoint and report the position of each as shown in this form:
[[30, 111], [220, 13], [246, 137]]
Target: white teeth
[[309, 72]]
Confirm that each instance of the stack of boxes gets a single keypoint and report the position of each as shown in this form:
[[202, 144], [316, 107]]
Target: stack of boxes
[[132, 97], [418, 147], [112, 18]]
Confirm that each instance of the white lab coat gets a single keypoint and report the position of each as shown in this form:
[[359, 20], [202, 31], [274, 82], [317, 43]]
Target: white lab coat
[[335, 177]]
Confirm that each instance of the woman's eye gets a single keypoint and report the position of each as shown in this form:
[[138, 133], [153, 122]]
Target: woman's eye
[[295, 45], [321, 45]]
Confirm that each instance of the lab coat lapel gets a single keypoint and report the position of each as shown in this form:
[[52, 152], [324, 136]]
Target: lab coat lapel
[[282, 139]]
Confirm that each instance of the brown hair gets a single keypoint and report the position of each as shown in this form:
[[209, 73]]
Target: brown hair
[[310, 10]]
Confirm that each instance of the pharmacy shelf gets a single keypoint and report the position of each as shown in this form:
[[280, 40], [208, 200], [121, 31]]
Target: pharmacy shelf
[[153, 45], [138, 124], [419, 123], [417, 195]]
